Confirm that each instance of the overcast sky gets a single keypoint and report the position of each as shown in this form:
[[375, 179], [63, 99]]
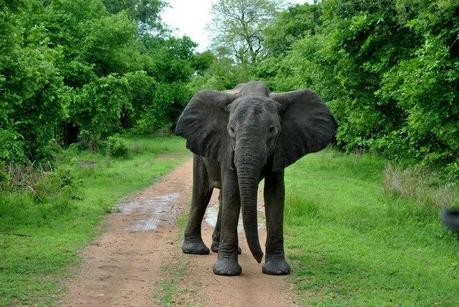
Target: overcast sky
[[190, 17]]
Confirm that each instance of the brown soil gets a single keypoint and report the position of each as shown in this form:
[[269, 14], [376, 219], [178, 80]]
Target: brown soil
[[129, 261]]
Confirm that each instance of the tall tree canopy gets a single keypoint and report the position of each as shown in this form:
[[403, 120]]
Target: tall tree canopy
[[79, 70], [145, 12], [238, 26], [82, 70]]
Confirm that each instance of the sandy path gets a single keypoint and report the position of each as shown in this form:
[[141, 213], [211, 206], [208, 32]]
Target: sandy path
[[125, 264], [252, 288]]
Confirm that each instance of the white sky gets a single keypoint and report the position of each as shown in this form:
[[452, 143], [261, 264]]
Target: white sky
[[190, 18]]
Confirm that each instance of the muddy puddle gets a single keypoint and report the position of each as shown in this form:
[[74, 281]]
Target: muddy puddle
[[150, 212], [211, 216]]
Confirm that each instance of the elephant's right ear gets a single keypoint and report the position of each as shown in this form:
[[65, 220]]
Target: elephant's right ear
[[203, 124]]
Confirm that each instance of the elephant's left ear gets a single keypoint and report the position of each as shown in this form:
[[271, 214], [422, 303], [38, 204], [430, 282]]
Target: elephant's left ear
[[307, 126]]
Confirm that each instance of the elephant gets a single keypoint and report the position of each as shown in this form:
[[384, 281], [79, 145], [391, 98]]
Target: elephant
[[238, 138]]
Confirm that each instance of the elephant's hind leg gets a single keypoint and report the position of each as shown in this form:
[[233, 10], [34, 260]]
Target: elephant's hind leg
[[202, 191], [217, 229], [218, 225]]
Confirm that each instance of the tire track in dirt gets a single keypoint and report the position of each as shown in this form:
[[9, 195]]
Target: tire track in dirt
[[125, 265]]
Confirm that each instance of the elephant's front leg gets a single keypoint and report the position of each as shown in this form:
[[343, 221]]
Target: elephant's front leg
[[228, 248], [274, 193]]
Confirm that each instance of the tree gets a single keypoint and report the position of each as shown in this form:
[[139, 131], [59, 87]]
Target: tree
[[30, 86], [387, 69], [239, 24], [291, 25], [145, 12], [78, 70]]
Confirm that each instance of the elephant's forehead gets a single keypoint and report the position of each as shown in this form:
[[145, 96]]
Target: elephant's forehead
[[253, 102], [248, 105], [252, 106]]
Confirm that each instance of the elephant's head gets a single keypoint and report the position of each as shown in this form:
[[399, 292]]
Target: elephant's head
[[249, 129]]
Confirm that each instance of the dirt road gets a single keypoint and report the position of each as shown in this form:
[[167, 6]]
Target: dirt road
[[130, 262]]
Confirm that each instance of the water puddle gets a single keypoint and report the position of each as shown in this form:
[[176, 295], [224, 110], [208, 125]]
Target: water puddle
[[150, 211], [211, 216]]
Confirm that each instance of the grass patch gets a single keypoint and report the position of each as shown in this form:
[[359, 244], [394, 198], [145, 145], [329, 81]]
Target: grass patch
[[169, 288], [424, 187], [352, 242], [40, 237], [174, 272]]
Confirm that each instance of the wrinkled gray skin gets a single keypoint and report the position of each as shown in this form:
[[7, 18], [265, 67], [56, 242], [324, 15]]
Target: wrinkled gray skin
[[240, 137]]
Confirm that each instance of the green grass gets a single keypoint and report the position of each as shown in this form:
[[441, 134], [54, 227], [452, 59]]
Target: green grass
[[173, 274], [171, 290], [350, 244], [55, 228]]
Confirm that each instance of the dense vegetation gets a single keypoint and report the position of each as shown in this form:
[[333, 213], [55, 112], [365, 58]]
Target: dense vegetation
[[83, 70], [80, 71], [387, 69]]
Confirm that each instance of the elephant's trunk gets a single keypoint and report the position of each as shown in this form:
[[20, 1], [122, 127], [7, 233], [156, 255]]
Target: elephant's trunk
[[248, 172]]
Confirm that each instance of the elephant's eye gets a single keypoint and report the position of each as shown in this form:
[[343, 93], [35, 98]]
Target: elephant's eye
[[232, 129], [271, 129]]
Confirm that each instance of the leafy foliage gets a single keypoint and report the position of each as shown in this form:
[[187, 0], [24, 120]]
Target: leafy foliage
[[84, 70], [74, 70], [388, 70], [117, 147]]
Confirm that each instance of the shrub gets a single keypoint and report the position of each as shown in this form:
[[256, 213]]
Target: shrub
[[117, 147], [4, 176], [11, 146], [60, 183], [98, 107], [168, 102]]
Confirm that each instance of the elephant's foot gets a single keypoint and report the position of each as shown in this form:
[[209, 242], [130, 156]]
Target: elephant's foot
[[276, 266], [214, 247], [227, 267], [195, 246]]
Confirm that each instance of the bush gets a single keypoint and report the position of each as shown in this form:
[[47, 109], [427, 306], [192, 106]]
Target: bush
[[60, 183], [168, 102], [98, 107], [11, 146], [4, 176], [117, 147]]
